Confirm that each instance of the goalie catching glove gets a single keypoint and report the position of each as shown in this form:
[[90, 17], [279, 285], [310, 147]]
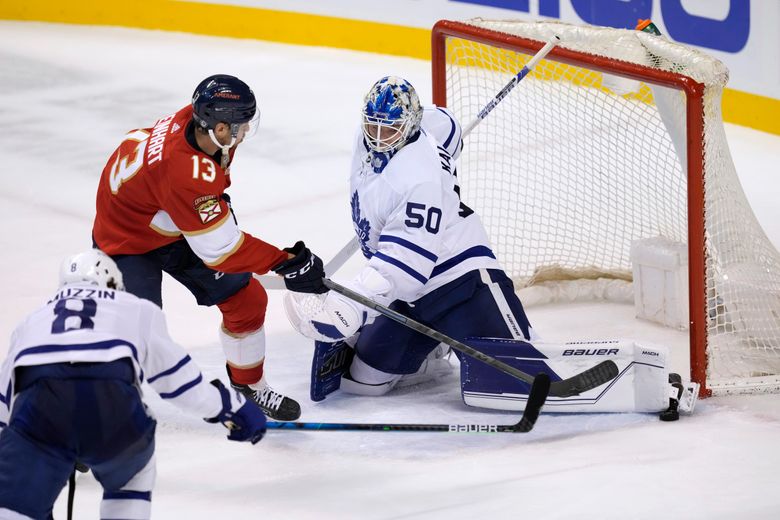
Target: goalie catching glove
[[324, 317], [332, 317]]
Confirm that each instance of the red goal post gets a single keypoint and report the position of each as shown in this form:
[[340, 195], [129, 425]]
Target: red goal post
[[470, 59]]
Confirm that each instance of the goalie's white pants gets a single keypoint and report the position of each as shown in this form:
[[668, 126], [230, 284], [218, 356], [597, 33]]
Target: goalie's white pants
[[642, 383]]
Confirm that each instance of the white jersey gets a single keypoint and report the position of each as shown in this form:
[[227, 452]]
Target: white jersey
[[85, 323], [407, 212]]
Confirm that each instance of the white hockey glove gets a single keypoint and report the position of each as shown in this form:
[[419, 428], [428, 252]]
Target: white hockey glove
[[325, 317], [332, 317]]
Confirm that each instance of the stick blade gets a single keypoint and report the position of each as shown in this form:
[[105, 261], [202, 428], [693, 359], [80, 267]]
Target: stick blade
[[588, 380], [540, 389]]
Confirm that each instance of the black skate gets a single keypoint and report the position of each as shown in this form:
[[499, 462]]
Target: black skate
[[273, 404]]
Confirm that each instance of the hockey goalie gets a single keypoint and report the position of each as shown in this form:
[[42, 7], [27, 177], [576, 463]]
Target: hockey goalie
[[429, 259]]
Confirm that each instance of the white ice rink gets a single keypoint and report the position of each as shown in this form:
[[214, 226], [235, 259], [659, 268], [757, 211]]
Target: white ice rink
[[67, 96]]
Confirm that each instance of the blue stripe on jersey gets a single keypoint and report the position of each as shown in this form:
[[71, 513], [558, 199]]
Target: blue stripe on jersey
[[471, 252], [183, 388], [410, 246], [2, 424], [127, 495], [100, 345], [171, 370], [402, 266], [6, 399], [452, 131]]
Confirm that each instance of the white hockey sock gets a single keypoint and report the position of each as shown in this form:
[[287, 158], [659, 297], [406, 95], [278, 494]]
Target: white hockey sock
[[243, 350], [134, 500]]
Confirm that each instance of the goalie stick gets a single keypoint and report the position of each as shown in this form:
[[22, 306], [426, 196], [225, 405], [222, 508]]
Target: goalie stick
[[575, 385], [536, 399], [539, 56], [277, 282]]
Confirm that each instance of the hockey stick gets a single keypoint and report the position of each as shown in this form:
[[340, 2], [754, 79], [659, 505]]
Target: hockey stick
[[536, 399], [575, 385], [544, 51], [275, 282]]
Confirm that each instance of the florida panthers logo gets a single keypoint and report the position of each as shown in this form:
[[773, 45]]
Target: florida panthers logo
[[362, 227]]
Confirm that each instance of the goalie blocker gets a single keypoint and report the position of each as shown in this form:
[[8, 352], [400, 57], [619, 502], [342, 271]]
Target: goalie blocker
[[643, 384]]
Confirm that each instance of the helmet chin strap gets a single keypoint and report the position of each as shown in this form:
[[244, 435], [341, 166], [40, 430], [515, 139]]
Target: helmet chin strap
[[225, 147]]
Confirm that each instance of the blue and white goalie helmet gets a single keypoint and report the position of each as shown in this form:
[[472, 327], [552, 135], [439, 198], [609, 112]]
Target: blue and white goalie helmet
[[391, 114], [93, 267]]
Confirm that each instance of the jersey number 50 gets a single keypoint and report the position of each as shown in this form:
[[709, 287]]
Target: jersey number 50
[[419, 217]]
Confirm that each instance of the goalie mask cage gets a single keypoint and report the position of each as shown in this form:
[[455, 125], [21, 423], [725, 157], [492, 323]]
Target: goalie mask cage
[[616, 136]]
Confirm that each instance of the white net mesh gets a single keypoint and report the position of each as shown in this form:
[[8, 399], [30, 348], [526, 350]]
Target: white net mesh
[[575, 164]]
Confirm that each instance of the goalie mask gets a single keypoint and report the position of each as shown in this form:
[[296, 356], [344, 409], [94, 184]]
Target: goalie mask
[[93, 267], [391, 114], [323, 317]]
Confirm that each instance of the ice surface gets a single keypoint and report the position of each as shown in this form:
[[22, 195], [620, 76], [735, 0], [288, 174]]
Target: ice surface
[[70, 93]]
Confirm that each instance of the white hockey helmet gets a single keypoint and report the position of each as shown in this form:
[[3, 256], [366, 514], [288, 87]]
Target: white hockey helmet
[[391, 114], [323, 317], [94, 267]]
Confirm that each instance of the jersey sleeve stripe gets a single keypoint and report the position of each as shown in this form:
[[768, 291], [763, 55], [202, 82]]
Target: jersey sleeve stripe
[[452, 131], [164, 232], [402, 266], [5, 399], [100, 345], [225, 256], [182, 388], [2, 424], [465, 255], [128, 495], [410, 246], [171, 370], [214, 226]]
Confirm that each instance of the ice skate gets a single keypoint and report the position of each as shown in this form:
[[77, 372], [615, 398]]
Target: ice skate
[[275, 405]]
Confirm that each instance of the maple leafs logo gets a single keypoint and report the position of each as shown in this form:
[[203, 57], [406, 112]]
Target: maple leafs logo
[[362, 227]]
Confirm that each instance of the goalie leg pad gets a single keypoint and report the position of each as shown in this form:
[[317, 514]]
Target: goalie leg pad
[[329, 363], [642, 384]]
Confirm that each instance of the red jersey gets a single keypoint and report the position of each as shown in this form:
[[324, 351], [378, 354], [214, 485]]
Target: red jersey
[[157, 188]]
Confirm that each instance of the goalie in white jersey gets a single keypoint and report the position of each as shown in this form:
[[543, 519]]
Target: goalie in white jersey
[[428, 254], [70, 393], [429, 258]]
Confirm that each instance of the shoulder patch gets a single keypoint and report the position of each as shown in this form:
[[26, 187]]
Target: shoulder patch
[[207, 207]]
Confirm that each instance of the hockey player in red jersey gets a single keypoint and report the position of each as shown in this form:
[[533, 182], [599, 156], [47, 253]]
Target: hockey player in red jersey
[[162, 206]]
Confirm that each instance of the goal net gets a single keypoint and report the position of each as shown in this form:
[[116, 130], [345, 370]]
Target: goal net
[[615, 137]]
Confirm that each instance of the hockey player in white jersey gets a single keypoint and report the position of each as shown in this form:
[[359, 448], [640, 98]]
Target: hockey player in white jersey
[[70, 393], [428, 254]]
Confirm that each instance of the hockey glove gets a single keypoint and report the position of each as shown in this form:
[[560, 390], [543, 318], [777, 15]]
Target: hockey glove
[[303, 272], [247, 423]]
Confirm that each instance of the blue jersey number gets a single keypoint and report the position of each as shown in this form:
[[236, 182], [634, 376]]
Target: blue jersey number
[[419, 217], [84, 315]]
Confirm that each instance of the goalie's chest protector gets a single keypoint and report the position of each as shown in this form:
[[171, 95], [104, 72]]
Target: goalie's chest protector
[[410, 197]]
